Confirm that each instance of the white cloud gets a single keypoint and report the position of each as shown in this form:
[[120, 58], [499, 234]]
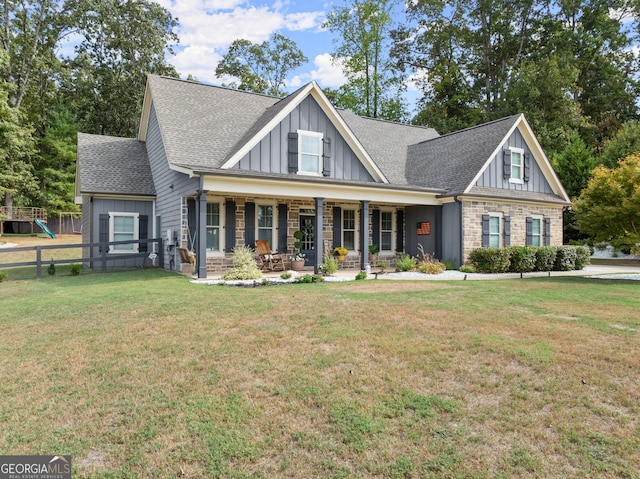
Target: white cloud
[[199, 61], [327, 74]]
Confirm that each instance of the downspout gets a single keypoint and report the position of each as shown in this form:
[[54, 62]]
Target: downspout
[[455, 198], [201, 236]]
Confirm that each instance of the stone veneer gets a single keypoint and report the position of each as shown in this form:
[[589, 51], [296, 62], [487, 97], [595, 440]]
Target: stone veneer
[[472, 212]]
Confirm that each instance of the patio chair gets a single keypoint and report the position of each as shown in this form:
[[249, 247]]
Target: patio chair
[[269, 259], [187, 256]]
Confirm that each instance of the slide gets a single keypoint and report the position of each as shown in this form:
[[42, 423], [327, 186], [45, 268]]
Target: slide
[[44, 228]]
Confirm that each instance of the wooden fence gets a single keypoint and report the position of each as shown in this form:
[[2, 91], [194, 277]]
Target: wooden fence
[[95, 262]]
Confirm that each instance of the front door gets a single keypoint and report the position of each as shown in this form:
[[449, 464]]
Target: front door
[[307, 227]]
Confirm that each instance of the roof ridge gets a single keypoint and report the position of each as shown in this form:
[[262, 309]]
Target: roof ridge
[[481, 125], [382, 120]]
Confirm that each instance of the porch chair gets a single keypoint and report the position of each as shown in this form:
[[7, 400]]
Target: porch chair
[[269, 259]]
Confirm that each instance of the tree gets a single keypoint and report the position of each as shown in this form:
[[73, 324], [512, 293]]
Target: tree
[[362, 49], [261, 68], [609, 208], [122, 42], [625, 142]]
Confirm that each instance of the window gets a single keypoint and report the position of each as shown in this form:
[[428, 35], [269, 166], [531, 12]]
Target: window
[[264, 221], [386, 231], [349, 229], [123, 227], [492, 230], [213, 227], [310, 156], [534, 231], [517, 165]]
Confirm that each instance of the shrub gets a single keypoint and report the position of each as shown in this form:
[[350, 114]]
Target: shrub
[[361, 275], [307, 278], [75, 269], [329, 266], [3, 276], [383, 265], [490, 260], [317, 278], [583, 256], [52, 268], [545, 258], [467, 268], [285, 275], [244, 265], [565, 259], [448, 264], [522, 259], [405, 263]]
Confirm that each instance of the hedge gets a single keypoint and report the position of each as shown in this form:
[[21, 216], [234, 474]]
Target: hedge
[[523, 259]]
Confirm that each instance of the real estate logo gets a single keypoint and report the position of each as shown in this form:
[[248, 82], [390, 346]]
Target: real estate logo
[[35, 467]]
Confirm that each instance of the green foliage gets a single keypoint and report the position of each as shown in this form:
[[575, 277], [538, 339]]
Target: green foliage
[[3, 276], [330, 265], [51, 269], [467, 268], [383, 265], [522, 259], [545, 258], [286, 275], [361, 275], [75, 268], [261, 68], [574, 165], [583, 256], [609, 208], [625, 142], [565, 259], [362, 51], [490, 260], [406, 263], [307, 278], [244, 265], [448, 264], [373, 248]]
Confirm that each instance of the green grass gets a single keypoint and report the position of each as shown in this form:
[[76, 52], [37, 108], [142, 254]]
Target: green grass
[[143, 374]]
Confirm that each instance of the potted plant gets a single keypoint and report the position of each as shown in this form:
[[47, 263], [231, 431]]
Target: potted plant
[[340, 253], [373, 252], [297, 261]]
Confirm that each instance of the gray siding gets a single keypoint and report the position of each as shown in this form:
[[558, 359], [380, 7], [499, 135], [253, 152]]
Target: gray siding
[[100, 206], [432, 242], [451, 233], [493, 178], [270, 155], [170, 186]]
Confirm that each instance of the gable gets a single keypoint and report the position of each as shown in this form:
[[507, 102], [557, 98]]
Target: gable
[[271, 153], [492, 176]]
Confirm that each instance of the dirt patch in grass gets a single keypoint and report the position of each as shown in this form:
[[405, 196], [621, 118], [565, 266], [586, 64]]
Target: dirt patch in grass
[[380, 286]]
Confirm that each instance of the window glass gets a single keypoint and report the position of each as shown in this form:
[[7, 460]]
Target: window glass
[[516, 165], [213, 226], [123, 229], [310, 153], [494, 231], [536, 232], [265, 222], [349, 229], [386, 230]]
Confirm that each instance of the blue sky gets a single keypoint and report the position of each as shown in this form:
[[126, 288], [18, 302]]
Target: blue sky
[[207, 28]]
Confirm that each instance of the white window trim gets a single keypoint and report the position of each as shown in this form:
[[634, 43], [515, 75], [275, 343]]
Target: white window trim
[[356, 240], [393, 233], [136, 233], [500, 232], [214, 254], [320, 137], [512, 179], [541, 235], [274, 228]]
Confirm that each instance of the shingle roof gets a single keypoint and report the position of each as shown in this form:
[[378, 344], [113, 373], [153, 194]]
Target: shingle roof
[[452, 161], [112, 165], [189, 114]]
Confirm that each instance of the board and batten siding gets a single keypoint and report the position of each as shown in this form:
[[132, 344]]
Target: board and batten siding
[[270, 155], [493, 177], [171, 186], [451, 233]]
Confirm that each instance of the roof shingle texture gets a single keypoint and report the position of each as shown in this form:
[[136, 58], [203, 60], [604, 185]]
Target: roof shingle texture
[[112, 165]]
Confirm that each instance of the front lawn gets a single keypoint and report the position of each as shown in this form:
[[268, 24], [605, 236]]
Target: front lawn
[[143, 374]]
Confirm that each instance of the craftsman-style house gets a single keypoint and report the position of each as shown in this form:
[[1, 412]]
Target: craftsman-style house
[[213, 168]]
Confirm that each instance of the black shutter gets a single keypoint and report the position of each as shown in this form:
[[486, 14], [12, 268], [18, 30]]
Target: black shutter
[[337, 226], [400, 231], [486, 230], [103, 230], [547, 231], [526, 157], [529, 231], [250, 224], [506, 164], [143, 233], [282, 228], [229, 225], [375, 227], [326, 156], [293, 152], [507, 231]]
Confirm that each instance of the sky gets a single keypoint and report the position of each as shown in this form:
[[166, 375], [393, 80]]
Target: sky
[[208, 27]]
